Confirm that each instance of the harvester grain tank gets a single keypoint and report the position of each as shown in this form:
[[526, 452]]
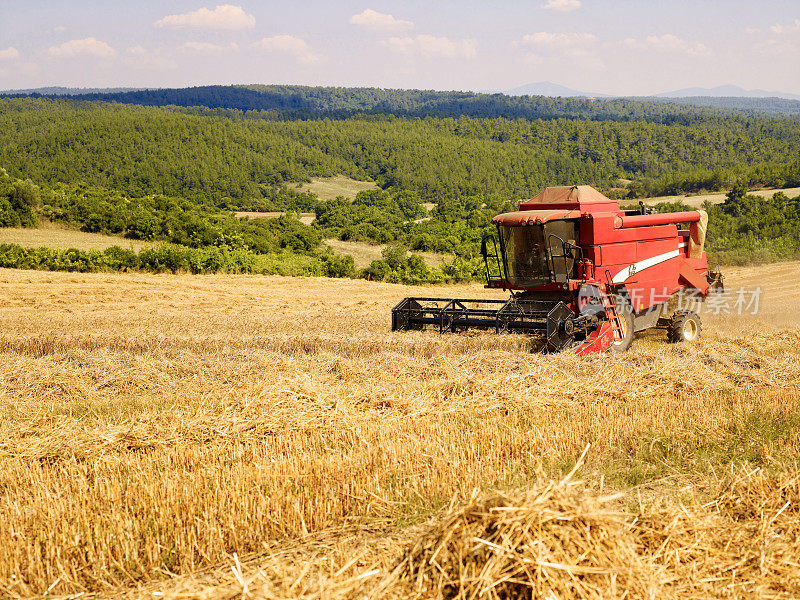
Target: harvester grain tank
[[584, 275]]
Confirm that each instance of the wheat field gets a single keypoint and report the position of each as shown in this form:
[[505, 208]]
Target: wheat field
[[243, 436]]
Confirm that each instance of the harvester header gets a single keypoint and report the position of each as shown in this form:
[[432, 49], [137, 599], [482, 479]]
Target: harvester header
[[584, 275]]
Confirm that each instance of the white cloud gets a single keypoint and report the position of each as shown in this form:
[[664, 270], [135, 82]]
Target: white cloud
[[666, 43], [562, 5], [9, 53], [59, 29], [208, 48], [432, 47], [85, 47], [782, 41], [288, 44], [786, 29], [578, 47], [672, 43], [380, 21], [780, 48], [224, 16], [141, 58], [532, 59], [559, 40]]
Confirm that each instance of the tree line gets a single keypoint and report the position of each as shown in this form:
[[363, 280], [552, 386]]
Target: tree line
[[201, 238]]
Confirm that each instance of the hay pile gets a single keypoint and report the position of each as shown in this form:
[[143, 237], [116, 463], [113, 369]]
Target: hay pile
[[555, 541], [563, 541]]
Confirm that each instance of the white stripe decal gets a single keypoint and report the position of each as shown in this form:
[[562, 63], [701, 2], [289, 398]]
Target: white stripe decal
[[627, 272]]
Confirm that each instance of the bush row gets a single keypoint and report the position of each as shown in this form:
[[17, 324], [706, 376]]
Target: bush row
[[396, 266], [171, 258]]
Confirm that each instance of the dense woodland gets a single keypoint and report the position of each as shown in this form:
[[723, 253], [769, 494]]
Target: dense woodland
[[171, 174], [233, 160]]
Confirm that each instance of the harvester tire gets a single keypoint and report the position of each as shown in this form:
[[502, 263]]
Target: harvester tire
[[684, 326], [625, 314]]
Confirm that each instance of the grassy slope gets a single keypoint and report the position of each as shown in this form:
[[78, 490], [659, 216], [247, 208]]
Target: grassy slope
[[363, 254], [57, 237], [162, 423], [306, 217], [328, 188], [717, 198]]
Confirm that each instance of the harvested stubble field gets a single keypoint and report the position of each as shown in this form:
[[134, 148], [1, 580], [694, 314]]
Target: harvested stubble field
[[237, 436]]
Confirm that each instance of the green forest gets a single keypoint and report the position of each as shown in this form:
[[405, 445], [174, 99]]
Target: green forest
[[173, 174], [235, 159]]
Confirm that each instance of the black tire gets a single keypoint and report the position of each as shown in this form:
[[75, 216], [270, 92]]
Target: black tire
[[684, 326], [626, 318]]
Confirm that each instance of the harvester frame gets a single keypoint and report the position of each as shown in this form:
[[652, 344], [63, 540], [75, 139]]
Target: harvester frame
[[584, 275]]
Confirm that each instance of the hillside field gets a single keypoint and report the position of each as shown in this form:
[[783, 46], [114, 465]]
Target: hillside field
[[697, 201], [306, 217], [328, 188], [63, 238], [241, 436], [363, 254]]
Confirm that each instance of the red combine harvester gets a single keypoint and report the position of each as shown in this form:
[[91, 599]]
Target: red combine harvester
[[583, 274]]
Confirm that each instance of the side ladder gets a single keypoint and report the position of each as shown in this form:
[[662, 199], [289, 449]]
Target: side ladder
[[612, 315]]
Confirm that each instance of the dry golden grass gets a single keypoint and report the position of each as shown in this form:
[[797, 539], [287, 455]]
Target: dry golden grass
[[363, 254], [328, 188], [152, 427], [56, 237], [306, 218], [697, 201]]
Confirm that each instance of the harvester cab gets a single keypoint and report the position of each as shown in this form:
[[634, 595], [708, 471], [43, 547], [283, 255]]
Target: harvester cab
[[583, 274]]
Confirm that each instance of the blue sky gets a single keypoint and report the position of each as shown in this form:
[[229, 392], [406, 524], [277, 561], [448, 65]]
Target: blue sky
[[622, 47]]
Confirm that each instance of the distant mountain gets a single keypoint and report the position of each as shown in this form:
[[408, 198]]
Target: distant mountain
[[65, 91], [726, 91], [548, 88]]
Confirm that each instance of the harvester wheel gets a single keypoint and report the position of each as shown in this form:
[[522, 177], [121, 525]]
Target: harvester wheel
[[684, 326], [625, 314]]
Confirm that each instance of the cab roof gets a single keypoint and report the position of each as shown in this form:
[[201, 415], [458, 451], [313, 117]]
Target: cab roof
[[583, 198], [531, 217]]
